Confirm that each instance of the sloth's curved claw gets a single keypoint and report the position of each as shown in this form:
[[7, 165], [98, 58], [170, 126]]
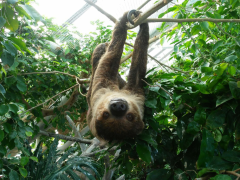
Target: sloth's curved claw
[[130, 17]]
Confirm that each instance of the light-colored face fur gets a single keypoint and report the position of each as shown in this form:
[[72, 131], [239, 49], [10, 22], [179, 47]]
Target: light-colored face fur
[[118, 128]]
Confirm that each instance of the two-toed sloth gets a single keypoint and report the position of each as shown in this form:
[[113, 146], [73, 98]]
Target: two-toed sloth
[[115, 107]]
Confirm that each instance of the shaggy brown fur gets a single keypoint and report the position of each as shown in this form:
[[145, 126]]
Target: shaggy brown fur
[[108, 90]]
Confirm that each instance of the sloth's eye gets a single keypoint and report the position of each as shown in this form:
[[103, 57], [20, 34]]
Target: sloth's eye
[[129, 117], [105, 115]]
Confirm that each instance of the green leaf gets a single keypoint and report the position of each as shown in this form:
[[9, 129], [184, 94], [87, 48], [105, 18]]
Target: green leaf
[[24, 160], [230, 58], [3, 109], [204, 25], [218, 163], [32, 12], [193, 127], [232, 70], [206, 69], [7, 127], [2, 90], [34, 158], [12, 1], [23, 172], [3, 150], [13, 175], [220, 68], [28, 133], [7, 58], [151, 103], [19, 42], [207, 149], [221, 177], [216, 118], [234, 89], [10, 47], [21, 84], [25, 151], [238, 84], [1, 135], [210, 15], [200, 115], [2, 21], [13, 108], [232, 156], [224, 98], [162, 174], [12, 22], [217, 44], [143, 152], [13, 135]]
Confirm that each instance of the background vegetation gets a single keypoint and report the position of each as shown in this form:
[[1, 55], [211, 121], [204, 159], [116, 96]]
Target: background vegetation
[[192, 110]]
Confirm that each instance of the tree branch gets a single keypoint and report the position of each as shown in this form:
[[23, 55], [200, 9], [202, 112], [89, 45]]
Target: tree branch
[[60, 136], [189, 20], [102, 11], [149, 12]]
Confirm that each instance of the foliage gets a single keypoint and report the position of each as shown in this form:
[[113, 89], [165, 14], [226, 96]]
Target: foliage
[[191, 113], [49, 165]]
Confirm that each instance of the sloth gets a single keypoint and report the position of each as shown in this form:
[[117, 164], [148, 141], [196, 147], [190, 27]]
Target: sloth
[[116, 108]]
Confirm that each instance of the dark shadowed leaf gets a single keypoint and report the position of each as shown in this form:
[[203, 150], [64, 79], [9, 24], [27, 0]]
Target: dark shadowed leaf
[[200, 115], [162, 174], [1, 135], [151, 103], [13, 175], [224, 98], [218, 163], [207, 149], [232, 156], [216, 118], [3, 109], [143, 152], [234, 89], [7, 58]]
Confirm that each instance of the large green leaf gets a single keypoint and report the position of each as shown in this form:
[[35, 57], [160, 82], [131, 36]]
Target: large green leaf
[[207, 149], [218, 163], [7, 58], [12, 21], [32, 12], [24, 160], [216, 118], [200, 115], [2, 21], [232, 156], [10, 47], [151, 103], [3, 109], [21, 84], [230, 58], [23, 172], [13, 175], [234, 89], [224, 98], [143, 152]]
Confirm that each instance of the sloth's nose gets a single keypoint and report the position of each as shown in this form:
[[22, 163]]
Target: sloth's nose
[[118, 107]]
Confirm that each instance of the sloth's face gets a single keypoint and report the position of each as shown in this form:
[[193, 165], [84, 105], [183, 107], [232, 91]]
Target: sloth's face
[[119, 118]]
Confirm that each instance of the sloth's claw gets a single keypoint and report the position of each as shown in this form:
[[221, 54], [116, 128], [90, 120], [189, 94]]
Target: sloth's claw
[[130, 16]]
